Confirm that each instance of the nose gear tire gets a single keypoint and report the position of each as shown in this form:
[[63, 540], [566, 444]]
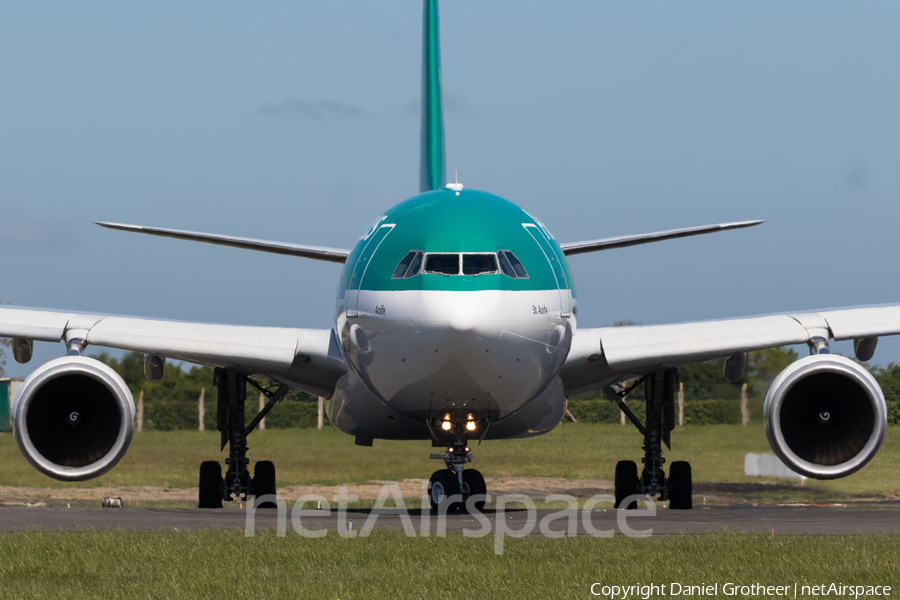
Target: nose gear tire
[[441, 487], [477, 487]]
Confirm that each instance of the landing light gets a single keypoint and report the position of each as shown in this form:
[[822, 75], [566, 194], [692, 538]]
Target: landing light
[[447, 417], [470, 426], [446, 426]]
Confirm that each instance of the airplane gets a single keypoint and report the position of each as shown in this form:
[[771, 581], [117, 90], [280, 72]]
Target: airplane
[[455, 322]]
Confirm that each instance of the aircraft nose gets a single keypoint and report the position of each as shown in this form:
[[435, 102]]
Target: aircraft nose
[[462, 313], [462, 319]]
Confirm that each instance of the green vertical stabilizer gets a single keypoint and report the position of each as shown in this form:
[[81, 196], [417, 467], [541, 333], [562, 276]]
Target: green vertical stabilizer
[[432, 166]]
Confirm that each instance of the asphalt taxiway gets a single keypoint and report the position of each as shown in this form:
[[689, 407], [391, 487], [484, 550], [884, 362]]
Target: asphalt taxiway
[[778, 520]]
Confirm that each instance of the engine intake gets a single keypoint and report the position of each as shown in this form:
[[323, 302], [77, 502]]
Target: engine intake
[[74, 418], [825, 416]]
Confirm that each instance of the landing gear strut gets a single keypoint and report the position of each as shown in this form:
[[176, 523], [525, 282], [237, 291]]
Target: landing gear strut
[[449, 489], [659, 393], [237, 483]]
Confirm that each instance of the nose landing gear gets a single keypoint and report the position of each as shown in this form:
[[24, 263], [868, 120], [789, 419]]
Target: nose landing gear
[[449, 489]]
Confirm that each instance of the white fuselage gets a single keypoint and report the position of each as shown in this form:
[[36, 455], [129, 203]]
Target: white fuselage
[[420, 353]]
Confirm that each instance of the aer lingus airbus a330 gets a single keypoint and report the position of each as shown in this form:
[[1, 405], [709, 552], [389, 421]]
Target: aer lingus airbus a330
[[455, 322]]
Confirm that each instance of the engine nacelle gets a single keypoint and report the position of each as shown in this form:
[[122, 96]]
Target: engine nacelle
[[73, 418], [825, 416]]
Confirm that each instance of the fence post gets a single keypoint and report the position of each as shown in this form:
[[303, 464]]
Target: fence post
[[140, 415], [201, 411], [321, 417], [680, 403], [262, 403], [745, 412]]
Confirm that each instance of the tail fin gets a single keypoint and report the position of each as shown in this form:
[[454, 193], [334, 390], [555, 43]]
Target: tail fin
[[432, 165]]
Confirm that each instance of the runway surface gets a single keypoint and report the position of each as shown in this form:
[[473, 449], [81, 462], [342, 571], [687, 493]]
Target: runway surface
[[780, 520]]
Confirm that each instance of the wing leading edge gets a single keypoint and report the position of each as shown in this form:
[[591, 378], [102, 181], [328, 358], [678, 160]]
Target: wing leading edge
[[337, 255], [308, 359], [602, 356], [572, 248]]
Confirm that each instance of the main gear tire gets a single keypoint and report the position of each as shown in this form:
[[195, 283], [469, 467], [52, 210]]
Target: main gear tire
[[210, 485], [626, 484]]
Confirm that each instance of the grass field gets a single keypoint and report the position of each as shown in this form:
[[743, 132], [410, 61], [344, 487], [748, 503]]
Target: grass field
[[216, 563], [220, 564], [573, 451]]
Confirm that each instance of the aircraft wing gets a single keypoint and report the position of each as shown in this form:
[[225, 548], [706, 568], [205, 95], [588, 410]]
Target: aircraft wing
[[337, 255], [572, 248], [308, 359], [602, 356]]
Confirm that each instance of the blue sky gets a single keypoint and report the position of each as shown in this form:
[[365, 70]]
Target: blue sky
[[298, 122]]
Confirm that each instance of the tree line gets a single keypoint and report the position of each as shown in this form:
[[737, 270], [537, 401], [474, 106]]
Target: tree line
[[172, 403]]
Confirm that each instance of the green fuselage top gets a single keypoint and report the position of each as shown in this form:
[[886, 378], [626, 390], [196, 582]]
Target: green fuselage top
[[446, 221]]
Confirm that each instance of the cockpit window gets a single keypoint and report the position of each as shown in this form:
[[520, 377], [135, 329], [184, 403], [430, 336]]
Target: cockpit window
[[400, 271], [442, 264], [511, 265], [505, 266], [449, 264], [479, 264], [409, 266], [416, 265]]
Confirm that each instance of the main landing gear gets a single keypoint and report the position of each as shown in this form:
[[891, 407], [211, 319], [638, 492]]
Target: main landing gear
[[237, 483], [449, 489], [659, 393]]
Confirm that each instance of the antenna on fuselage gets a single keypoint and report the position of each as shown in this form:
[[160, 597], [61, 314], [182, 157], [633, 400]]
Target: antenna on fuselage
[[456, 186]]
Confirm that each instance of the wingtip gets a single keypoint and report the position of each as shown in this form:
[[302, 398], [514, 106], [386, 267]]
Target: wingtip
[[121, 226], [751, 223]]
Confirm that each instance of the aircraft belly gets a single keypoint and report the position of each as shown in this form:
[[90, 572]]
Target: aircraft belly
[[422, 352], [356, 411]]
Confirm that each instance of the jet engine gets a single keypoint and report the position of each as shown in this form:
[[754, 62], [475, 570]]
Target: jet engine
[[73, 418], [825, 416]]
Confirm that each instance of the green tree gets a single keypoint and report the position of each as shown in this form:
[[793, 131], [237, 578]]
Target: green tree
[[172, 403], [765, 365], [889, 379], [4, 344], [706, 380], [177, 384]]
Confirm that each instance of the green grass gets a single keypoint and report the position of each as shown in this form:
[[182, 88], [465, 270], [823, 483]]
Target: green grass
[[574, 451], [224, 564], [216, 564]]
